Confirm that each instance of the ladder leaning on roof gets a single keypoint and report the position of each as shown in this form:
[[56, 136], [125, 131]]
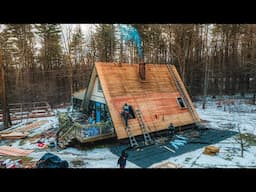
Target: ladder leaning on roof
[[132, 139], [146, 135], [181, 91]]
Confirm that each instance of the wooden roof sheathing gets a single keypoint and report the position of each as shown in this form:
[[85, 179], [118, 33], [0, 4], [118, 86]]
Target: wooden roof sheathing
[[155, 97]]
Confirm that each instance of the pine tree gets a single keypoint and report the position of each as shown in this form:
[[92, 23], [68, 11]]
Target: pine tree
[[51, 51], [77, 46], [105, 42]]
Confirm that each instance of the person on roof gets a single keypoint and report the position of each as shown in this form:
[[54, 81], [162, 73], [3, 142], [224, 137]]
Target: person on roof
[[126, 108], [126, 114]]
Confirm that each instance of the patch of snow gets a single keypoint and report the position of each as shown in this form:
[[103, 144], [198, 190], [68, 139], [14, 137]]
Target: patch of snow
[[72, 150], [240, 114], [109, 160]]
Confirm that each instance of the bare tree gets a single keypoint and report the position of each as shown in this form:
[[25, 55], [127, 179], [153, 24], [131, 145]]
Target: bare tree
[[206, 63], [240, 140], [6, 114], [66, 36]]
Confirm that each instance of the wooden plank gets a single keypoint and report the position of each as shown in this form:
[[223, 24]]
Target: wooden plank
[[167, 165], [13, 135], [11, 151], [32, 126], [169, 149]]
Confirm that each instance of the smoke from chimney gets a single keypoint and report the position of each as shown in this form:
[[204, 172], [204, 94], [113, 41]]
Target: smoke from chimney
[[129, 33]]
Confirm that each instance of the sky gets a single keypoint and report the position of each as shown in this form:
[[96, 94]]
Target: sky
[[85, 27]]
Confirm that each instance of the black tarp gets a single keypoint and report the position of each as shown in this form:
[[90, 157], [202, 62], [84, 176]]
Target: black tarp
[[50, 160], [148, 155]]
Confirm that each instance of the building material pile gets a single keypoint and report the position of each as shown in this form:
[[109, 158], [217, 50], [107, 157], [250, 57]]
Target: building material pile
[[24, 128], [168, 165], [178, 141], [13, 136], [32, 126], [65, 122], [67, 130], [8, 163], [20, 132], [12, 151], [211, 150]]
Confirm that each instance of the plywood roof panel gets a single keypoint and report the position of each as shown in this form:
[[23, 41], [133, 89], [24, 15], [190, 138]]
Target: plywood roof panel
[[155, 97]]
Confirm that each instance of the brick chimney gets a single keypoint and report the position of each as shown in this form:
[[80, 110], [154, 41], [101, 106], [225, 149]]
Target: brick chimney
[[142, 70]]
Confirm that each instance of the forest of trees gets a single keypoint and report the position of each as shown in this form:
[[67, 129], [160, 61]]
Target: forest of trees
[[47, 62]]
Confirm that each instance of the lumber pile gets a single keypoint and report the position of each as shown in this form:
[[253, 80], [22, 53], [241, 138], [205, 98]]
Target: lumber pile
[[13, 136], [32, 126], [211, 150], [12, 151], [168, 165], [29, 165], [24, 128]]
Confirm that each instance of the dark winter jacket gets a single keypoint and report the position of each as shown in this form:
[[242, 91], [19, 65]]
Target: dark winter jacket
[[122, 161]]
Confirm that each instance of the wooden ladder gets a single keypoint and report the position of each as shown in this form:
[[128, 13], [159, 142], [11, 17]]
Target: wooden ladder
[[181, 91], [143, 127]]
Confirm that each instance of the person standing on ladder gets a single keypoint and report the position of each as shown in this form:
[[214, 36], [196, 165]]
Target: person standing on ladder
[[126, 114]]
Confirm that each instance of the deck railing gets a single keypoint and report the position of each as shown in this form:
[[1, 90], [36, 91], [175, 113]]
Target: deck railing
[[92, 131]]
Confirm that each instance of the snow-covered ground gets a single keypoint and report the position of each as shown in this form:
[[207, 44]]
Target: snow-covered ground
[[240, 115]]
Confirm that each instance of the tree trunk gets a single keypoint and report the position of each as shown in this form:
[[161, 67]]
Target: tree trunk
[[241, 141], [206, 60], [6, 114]]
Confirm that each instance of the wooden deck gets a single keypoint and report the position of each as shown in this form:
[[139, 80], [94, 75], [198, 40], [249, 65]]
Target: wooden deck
[[96, 138]]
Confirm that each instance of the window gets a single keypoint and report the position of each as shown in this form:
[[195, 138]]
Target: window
[[99, 86], [181, 102]]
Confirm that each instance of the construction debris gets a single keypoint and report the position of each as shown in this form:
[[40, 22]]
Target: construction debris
[[169, 149], [25, 128], [178, 141], [13, 136], [11, 151], [8, 163], [32, 126], [211, 150], [168, 165], [161, 140]]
